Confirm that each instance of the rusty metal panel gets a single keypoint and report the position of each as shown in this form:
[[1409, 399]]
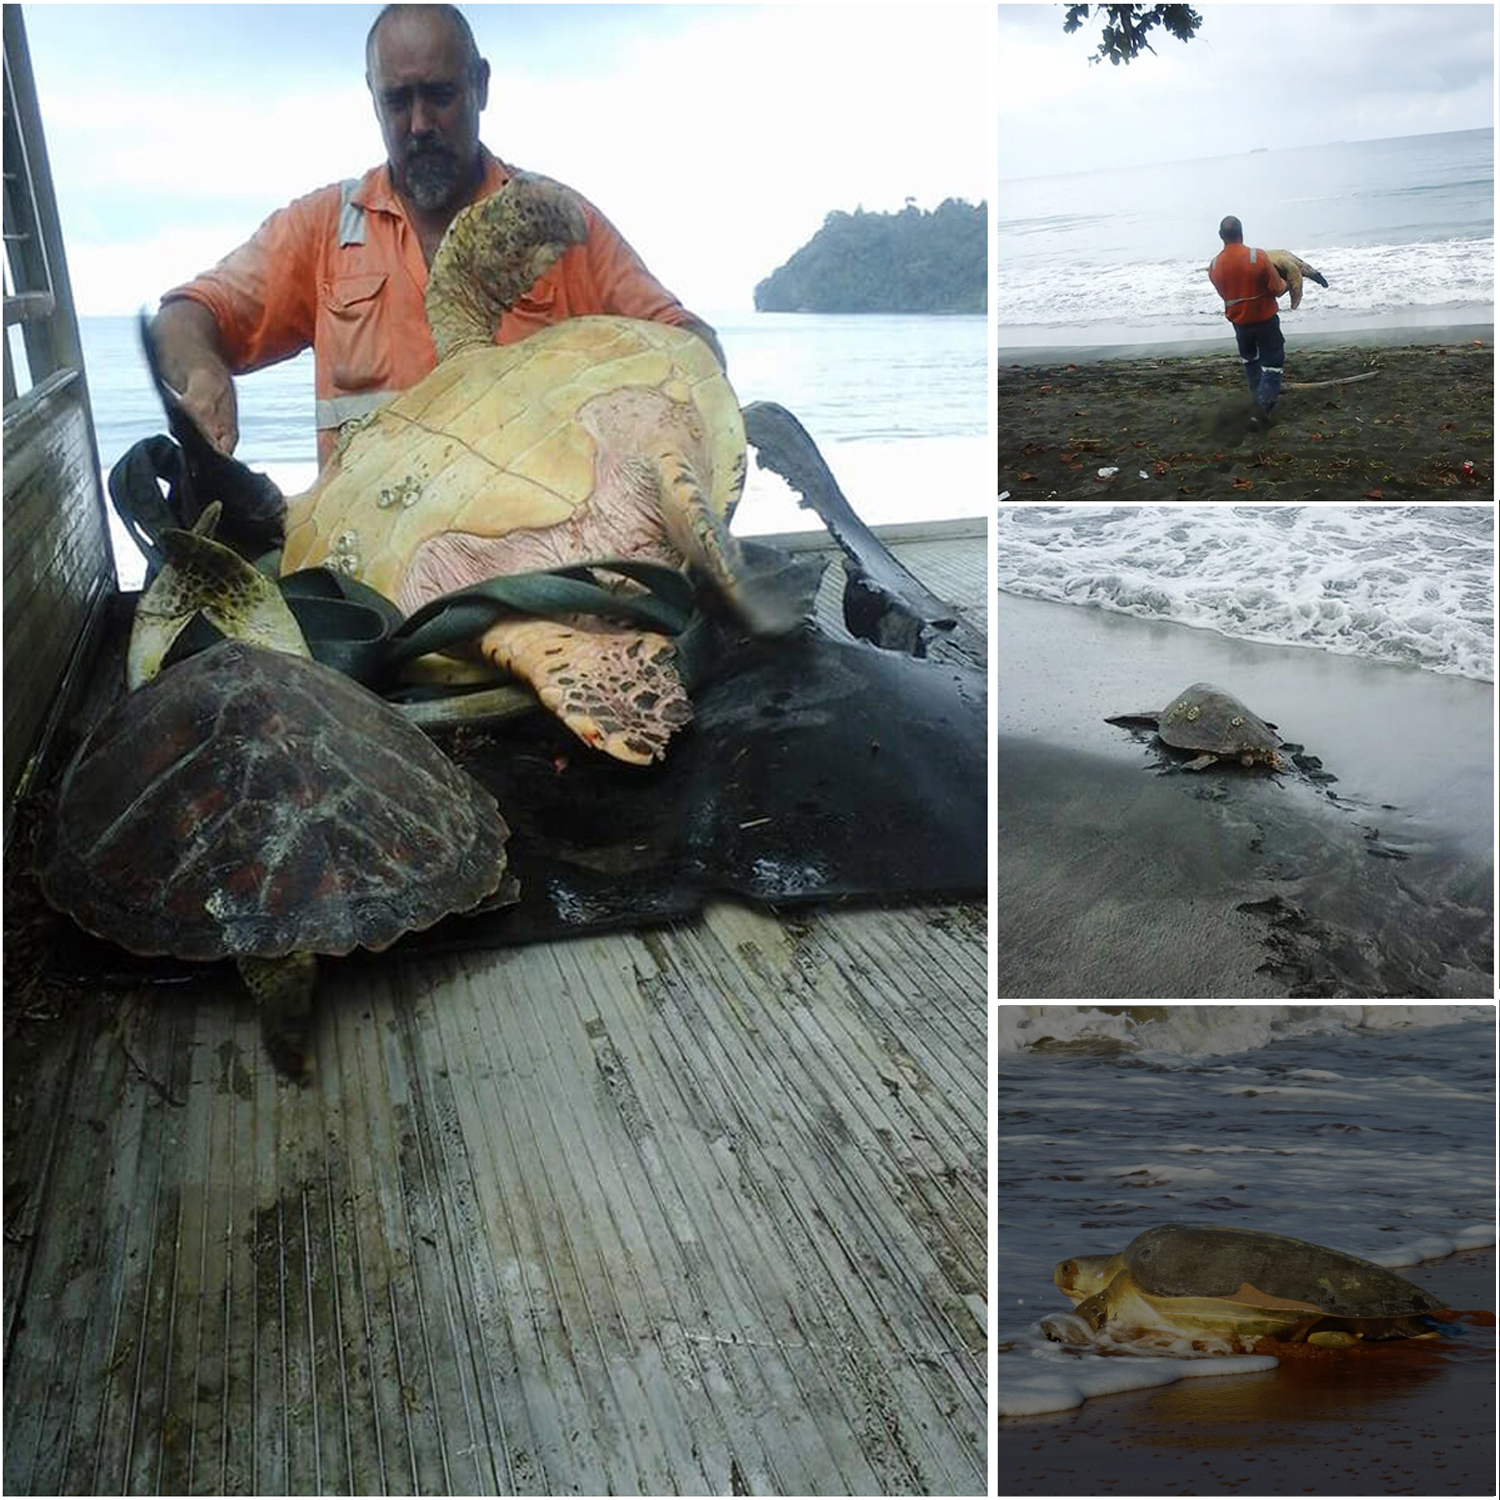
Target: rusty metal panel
[[57, 560]]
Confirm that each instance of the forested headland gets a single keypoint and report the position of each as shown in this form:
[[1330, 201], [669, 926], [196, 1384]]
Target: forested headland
[[914, 261]]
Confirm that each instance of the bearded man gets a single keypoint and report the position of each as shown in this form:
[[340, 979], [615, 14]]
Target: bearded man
[[344, 269]]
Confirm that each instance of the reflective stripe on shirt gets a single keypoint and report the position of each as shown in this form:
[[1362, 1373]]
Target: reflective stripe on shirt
[[351, 214]]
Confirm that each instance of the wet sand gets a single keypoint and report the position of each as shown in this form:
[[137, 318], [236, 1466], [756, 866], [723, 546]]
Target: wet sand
[[1173, 422], [1411, 1418], [1122, 876]]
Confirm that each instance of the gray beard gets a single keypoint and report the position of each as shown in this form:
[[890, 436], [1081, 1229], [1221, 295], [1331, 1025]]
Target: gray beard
[[432, 178]]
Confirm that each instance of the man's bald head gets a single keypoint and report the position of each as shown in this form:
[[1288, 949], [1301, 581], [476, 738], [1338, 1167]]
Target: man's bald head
[[449, 15], [1231, 231]]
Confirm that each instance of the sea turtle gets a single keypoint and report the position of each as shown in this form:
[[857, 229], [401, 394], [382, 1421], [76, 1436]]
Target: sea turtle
[[248, 803], [1293, 268], [1237, 1286], [1214, 723], [598, 437]]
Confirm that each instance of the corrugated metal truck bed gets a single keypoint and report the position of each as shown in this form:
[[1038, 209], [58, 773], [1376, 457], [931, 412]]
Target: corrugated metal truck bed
[[699, 1208]]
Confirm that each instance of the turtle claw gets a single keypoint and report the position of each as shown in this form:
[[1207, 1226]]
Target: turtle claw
[[617, 690], [1065, 1328]]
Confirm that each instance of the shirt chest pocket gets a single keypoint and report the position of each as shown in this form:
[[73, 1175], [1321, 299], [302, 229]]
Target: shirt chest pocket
[[353, 336]]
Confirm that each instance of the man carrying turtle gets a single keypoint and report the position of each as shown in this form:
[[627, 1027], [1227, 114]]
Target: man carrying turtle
[[1250, 285], [344, 269]]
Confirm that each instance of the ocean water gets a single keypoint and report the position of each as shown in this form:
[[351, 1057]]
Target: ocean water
[[1403, 230], [1367, 1128], [897, 405], [1406, 584]]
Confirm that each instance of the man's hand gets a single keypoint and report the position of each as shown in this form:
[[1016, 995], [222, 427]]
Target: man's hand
[[209, 397], [187, 349]]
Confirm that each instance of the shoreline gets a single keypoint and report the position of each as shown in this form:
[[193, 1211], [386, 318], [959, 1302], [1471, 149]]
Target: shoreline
[[1221, 340], [1156, 423], [1118, 878]]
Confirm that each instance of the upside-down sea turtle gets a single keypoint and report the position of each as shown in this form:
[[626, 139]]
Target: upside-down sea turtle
[[1293, 268], [1212, 722], [598, 437], [1238, 1286], [248, 803]]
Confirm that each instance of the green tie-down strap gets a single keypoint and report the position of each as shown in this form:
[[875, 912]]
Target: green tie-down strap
[[357, 630], [352, 627]]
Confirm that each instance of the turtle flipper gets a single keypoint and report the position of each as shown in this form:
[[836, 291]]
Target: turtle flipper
[[1094, 1310], [203, 577], [617, 690], [284, 989], [1309, 272], [1333, 1338], [1202, 763], [1147, 718], [765, 601]]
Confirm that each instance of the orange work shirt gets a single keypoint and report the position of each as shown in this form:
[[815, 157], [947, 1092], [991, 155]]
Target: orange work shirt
[[342, 270], [1248, 283]]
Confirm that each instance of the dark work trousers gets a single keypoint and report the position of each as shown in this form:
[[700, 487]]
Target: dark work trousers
[[1262, 350]]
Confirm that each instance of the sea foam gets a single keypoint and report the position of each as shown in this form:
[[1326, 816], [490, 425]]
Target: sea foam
[[1412, 585]]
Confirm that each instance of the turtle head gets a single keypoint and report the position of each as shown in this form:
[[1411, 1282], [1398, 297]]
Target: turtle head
[[492, 255], [1084, 1275]]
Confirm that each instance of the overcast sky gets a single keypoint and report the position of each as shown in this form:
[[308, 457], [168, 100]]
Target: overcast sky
[[716, 138], [1254, 75]]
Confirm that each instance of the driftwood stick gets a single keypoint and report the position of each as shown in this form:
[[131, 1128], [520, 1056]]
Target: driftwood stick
[[1312, 385]]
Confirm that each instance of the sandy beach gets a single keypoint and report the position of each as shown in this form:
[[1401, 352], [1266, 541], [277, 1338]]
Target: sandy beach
[[1413, 1418], [1122, 876], [1172, 421]]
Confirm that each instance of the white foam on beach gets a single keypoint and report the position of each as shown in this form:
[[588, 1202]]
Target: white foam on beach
[[1061, 1379], [1446, 279], [1407, 584], [1434, 1246], [1369, 1129], [1180, 1035]]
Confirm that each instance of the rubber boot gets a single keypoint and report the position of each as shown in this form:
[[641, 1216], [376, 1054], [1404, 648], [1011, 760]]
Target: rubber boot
[[1270, 388]]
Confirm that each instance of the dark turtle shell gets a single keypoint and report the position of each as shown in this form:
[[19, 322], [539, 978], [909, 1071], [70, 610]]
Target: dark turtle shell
[[1179, 1260], [249, 802], [1206, 718]]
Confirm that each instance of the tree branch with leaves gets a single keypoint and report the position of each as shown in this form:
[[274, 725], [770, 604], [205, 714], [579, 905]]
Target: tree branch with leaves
[[1126, 26]]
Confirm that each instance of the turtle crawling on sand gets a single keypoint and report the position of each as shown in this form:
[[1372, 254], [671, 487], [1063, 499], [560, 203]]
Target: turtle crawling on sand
[[248, 803], [1237, 1287], [1215, 724], [595, 438]]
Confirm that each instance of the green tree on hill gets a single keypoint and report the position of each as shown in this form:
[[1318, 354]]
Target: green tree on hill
[[1125, 27], [912, 262]]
